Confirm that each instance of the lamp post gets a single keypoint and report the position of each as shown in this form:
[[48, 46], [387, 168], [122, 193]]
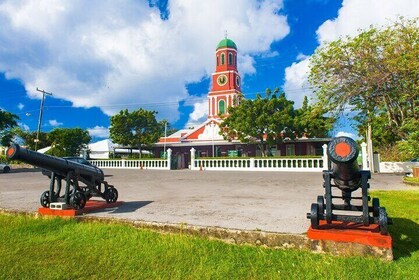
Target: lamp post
[[212, 125], [41, 109]]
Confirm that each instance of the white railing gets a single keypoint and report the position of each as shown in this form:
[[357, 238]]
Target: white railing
[[159, 164], [260, 164], [131, 164]]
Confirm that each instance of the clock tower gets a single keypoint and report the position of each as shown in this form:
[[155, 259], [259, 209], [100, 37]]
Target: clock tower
[[226, 82]]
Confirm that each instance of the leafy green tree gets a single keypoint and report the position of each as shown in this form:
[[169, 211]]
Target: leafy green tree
[[68, 141], [260, 121], [409, 148], [312, 121], [374, 74], [29, 138], [136, 129], [7, 122]]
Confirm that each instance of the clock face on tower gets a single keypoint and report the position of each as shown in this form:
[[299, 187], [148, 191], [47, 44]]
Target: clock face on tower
[[222, 80]]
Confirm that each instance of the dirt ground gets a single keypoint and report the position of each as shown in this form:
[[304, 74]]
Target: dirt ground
[[268, 201]]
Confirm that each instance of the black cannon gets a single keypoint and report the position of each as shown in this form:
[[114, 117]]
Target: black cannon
[[345, 175], [58, 169]]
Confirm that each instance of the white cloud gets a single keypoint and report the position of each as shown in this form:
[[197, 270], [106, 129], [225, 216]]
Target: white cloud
[[347, 134], [25, 127], [302, 56], [122, 52], [296, 85], [54, 123], [199, 114], [361, 14], [20, 106], [99, 131], [352, 16]]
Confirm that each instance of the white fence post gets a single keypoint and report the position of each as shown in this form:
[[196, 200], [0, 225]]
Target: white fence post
[[364, 156], [252, 163], [169, 157], [325, 158], [193, 159]]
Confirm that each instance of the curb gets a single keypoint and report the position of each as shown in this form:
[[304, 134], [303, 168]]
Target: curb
[[266, 239]]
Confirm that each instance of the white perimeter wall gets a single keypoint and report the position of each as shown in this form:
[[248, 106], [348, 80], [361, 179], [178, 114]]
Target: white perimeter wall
[[397, 167]]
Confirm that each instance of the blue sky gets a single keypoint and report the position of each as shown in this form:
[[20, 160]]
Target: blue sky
[[159, 55]]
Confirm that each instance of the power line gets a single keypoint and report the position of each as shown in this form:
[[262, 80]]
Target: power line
[[189, 101], [186, 101]]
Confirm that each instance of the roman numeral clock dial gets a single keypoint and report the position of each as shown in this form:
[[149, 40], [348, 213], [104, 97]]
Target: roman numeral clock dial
[[222, 80]]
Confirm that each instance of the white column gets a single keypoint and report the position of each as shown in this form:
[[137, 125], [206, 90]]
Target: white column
[[193, 159], [325, 158], [364, 156], [252, 163], [169, 158], [210, 106]]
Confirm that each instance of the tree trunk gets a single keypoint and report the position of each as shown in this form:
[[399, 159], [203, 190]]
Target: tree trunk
[[262, 148]]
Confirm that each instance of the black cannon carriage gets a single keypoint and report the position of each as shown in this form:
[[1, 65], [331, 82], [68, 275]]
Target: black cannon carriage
[[345, 175], [73, 173]]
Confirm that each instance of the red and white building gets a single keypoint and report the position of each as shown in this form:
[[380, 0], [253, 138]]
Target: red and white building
[[205, 138]]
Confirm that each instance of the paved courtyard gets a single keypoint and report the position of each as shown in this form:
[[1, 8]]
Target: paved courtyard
[[269, 201]]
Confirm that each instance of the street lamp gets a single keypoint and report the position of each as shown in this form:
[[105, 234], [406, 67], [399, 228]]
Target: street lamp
[[212, 125], [41, 109]]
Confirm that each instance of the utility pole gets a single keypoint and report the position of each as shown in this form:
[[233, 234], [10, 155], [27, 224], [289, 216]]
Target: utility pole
[[165, 132], [40, 115]]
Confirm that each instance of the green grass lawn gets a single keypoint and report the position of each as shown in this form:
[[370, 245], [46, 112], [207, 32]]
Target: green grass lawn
[[66, 249], [413, 181]]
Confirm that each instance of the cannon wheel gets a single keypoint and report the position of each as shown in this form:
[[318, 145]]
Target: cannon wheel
[[78, 200], [383, 220], [111, 195], [320, 202], [375, 206], [44, 200], [87, 193], [314, 216]]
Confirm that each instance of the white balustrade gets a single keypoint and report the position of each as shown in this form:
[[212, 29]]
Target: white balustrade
[[260, 164], [159, 164]]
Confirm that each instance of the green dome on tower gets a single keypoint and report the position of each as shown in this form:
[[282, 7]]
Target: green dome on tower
[[226, 43]]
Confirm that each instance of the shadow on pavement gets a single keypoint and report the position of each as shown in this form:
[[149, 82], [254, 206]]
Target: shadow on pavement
[[130, 206]]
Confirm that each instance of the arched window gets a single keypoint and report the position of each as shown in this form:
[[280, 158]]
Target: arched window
[[222, 59], [230, 58], [218, 62], [221, 107], [235, 60]]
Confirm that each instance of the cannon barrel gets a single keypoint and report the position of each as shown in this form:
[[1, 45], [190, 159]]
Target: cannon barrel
[[59, 166], [343, 153]]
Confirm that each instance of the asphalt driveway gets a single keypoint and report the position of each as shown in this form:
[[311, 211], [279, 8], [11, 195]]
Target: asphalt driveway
[[268, 201]]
